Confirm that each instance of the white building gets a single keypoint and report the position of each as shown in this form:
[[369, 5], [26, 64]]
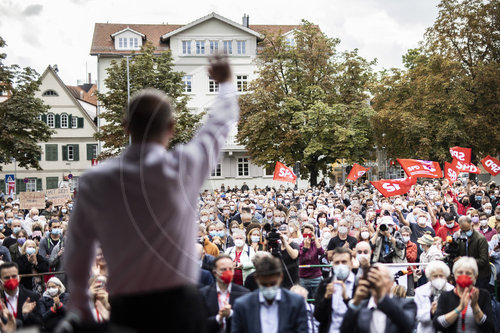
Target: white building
[[191, 45], [70, 149]]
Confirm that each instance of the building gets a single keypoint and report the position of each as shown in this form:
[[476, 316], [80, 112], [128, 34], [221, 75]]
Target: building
[[191, 45], [71, 148]]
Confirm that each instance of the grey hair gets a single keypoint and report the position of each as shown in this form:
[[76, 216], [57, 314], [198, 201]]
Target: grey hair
[[466, 262], [434, 266]]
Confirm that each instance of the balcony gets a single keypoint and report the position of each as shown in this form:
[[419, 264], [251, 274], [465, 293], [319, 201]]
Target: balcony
[[232, 144]]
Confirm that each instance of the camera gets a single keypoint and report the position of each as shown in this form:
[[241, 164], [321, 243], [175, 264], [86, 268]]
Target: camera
[[273, 241], [383, 227], [386, 213]]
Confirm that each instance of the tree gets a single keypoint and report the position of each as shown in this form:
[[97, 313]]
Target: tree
[[308, 104], [146, 70], [449, 92], [21, 127]]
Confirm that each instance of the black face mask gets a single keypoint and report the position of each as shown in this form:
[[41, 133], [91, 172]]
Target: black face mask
[[465, 202]]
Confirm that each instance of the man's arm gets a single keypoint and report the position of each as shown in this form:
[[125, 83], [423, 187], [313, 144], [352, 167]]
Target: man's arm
[[403, 317]]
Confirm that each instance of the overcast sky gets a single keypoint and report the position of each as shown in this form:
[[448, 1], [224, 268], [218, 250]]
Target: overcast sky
[[47, 32]]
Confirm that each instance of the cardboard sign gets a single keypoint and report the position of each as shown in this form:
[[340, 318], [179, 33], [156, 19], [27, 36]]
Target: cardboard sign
[[29, 200], [59, 196]]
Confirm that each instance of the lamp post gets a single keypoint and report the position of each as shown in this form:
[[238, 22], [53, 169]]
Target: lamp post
[[128, 90]]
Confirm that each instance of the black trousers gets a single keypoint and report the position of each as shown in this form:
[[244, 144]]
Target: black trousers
[[174, 310]]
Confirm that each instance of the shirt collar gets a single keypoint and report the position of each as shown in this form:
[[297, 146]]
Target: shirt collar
[[11, 298], [371, 303], [228, 290], [262, 300]]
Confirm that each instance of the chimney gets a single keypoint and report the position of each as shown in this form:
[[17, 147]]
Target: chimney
[[81, 94], [246, 20], [90, 78]]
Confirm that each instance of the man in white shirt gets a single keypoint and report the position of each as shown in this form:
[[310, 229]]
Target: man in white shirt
[[374, 310], [140, 207]]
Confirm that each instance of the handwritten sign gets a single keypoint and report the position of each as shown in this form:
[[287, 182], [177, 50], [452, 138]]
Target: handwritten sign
[[58, 196], [29, 200]]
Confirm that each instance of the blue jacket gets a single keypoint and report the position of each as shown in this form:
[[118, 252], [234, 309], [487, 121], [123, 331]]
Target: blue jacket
[[292, 313]]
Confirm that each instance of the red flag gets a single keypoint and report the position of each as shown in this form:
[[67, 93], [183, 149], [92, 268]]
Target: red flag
[[283, 174], [392, 187], [450, 172], [492, 165], [421, 168], [465, 167], [356, 172], [461, 154]]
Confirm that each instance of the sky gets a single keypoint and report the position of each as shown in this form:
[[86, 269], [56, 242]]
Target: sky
[[39, 33]]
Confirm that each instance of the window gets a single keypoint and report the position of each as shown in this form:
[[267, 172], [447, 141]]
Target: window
[[212, 85], [290, 41], [120, 43], [243, 166], [214, 46], [241, 45], [50, 92], [134, 42], [51, 183], [74, 122], [242, 82], [71, 153], [269, 170], [228, 46], [51, 120], [187, 79], [91, 151], [186, 47], [217, 171], [64, 120], [125, 43], [31, 185], [200, 47], [51, 152]]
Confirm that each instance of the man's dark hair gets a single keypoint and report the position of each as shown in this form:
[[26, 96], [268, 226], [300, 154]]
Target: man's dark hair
[[267, 266], [148, 114], [448, 217], [48, 204], [53, 221], [342, 250], [220, 257], [7, 265]]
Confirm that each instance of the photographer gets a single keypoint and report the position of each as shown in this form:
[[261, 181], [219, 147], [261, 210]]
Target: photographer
[[310, 250], [389, 244], [373, 309]]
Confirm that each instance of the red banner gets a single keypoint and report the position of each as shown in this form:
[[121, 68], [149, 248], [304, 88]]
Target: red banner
[[421, 168], [465, 167], [283, 174], [356, 172], [450, 173], [492, 165], [392, 187], [461, 154]]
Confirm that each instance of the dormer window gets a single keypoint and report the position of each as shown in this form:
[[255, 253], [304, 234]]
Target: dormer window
[[50, 92], [128, 39]]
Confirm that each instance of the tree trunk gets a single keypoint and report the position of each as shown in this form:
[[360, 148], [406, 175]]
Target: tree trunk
[[313, 175]]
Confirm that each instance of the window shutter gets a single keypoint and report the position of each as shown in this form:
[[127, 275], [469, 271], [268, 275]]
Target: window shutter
[[80, 122], [2, 186], [89, 151], [51, 182], [70, 121], [20, 186], [44, 118], [64, 153], [51, 152], [39, 184], [76, 152], [58, 121]]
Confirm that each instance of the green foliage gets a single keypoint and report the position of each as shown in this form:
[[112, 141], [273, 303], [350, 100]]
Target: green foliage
[[20, 126], [146, 70], [308, 104], [449, 93]]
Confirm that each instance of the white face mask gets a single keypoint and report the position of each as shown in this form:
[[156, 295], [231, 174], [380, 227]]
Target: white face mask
[[343, 230], [422, 220], [406, 239], [322, 219], [309, 211], [438, 283], [239, 242], [484, 223], [53, 291], [365, 235], [204, 218]]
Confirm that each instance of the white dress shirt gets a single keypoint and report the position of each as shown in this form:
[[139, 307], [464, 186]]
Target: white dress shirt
[[12, 302], [269, 314], [339, 308], [140, 207], [379, 318], [223, 299]]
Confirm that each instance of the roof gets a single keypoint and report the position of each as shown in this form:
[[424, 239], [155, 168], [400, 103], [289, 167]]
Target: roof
[[85, 92], [102, 42], [208, 17], [127, 29]]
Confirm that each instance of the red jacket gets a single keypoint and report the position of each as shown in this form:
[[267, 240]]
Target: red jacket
[[444, 231], [411, 251]]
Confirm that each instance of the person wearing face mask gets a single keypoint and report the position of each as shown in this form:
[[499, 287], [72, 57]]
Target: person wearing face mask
[[363, 234], [417, 229], [268, 216], [484, 228], [52, 303], [255, 240], [495, 218], [241, 255], [48, 243], [206, 278], [449, 228], [31, 262], [209, 247], [429, 254], [474, 217], [309, 254], [15, 226], [21, 302], [342, 239], [15, 249], [269, 308], [31, 218], [475, 246], [388, 243], [427, 295], [220, 296], [334, 292], [465, 308]]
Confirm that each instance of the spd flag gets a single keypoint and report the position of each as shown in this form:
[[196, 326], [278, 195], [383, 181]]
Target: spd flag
[[283, 174], [465, 167], [356, 172], [492, 165], [421, 168], [392, 187], [450, 172], [461, 154]]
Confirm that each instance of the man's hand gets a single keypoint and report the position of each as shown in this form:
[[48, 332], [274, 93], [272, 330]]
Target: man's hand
[[225, 311], [329, 290], [10, 326], [362, 292], [28, 306], [32, 259], [377, 280], [219, 69], [56, 301], [342, 284], [433, 307]]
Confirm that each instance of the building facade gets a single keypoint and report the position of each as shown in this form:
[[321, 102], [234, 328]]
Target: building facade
[[71, 148], [191, 46]]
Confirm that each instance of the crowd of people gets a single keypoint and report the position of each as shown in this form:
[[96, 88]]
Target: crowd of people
[[326, 245]]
